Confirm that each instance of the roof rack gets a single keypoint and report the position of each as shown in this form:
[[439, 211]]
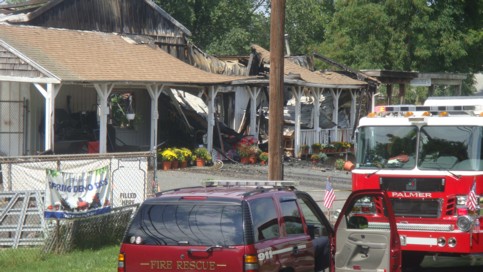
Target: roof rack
[[250, 183]]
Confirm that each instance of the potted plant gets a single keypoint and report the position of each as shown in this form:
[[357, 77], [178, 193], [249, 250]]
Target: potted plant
[[316, 148], [186, 155], [179, 158], [202, 156], [304, 150], [167, 157], [323, 157], [339, 164], [254, 152], [315, 158], [248, 150], [263, 158]]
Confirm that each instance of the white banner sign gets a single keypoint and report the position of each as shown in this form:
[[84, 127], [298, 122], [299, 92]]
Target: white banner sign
[[72, 195]]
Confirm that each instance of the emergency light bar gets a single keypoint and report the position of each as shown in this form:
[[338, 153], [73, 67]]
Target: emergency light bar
[[427, 108], [426, 111], [255, 183]]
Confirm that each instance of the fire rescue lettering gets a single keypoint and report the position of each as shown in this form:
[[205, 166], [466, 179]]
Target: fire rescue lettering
[[181, 265], [411, 194]]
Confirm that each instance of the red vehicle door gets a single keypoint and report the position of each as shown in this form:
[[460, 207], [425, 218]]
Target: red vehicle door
[[366, 236]]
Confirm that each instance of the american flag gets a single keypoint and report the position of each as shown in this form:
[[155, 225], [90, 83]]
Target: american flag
[[329, 195], [471, 201]]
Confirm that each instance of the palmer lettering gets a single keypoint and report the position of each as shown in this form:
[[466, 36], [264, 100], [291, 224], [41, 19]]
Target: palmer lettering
[[411, 194]]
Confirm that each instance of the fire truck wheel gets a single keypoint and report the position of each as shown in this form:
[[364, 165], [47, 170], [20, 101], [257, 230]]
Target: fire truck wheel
[[412, 259]]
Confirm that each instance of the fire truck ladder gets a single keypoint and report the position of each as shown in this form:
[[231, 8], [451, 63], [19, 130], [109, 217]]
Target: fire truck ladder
[[22, 220]]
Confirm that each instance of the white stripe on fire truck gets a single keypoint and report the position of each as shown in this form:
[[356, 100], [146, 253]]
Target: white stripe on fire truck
[[288, 249]]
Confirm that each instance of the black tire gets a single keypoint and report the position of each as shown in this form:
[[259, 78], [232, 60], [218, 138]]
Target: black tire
[[412, 259]]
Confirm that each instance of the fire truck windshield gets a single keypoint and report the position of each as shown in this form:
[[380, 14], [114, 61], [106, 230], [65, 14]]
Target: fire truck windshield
[[439, 148]]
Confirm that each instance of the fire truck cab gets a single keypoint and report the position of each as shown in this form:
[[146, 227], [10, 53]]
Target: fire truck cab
[[430, 161]]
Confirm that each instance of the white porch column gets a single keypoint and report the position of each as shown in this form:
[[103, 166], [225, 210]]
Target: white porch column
[[353, 109], [211, 117], [316, 93], [154, 92], [254, 92], [297, 93], [103, 91], [335, 113], [49, 95]]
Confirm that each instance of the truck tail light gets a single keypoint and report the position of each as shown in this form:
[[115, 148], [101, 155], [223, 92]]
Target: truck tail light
[[251, 263], [120, 263]]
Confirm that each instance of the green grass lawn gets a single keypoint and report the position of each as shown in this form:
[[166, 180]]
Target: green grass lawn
[[22, 260]]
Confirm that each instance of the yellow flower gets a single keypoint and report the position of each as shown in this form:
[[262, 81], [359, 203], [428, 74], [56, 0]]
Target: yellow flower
[[168, 155]]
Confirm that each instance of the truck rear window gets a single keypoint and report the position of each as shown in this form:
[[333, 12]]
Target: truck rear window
[[188, 224]]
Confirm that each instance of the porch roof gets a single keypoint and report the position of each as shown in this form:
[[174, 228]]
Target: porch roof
[[313, 79], [72, 56]]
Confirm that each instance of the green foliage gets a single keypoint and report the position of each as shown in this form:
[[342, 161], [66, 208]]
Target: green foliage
[[222, 26], [202, 153], [425, 36], [419, 35], [339, 164], [305, 23], [316, 146], [33, 259], [263, 156]]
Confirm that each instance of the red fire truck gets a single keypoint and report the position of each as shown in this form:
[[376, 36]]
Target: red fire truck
[[430, 161]]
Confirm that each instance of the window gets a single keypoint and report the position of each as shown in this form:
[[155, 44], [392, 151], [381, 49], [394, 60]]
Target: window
[[291, 217], [451, 148], [312, 218], [265, 220], [365, 210], [387, 147], [194, 224]]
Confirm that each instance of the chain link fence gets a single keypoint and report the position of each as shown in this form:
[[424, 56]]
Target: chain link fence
[[31, 217]]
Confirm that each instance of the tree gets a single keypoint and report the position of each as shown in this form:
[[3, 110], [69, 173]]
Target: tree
[[427, 36], [409, 35], [222, 26], [306, 22]]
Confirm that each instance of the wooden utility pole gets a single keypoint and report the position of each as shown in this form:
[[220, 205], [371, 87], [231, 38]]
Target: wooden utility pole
[[275, 117]]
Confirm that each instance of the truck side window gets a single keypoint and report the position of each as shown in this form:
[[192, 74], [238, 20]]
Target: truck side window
[[265, 222], [291, 217]]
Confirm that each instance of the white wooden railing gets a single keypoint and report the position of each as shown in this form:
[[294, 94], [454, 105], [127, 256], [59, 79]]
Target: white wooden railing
[[325, 136]]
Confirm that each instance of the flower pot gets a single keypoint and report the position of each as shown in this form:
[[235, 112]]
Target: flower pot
[[263, 162], [166, 165], [174, 164], [252, 159], [183, 164], [200, 162], [348, 166], [130, 116], [245, 160]]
